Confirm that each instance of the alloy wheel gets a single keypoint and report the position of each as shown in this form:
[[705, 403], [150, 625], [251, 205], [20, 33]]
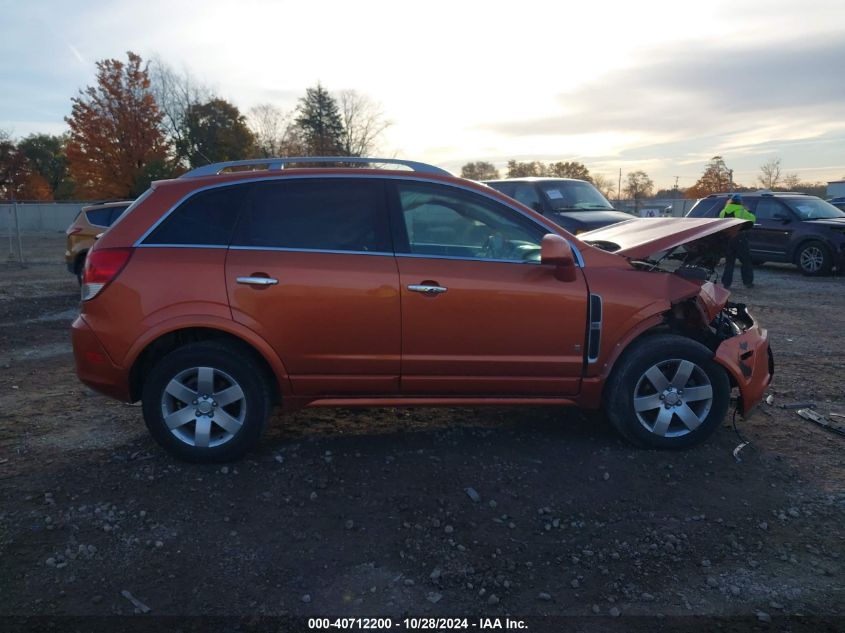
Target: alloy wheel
[[812, 259], [203, 407], [673, 398]]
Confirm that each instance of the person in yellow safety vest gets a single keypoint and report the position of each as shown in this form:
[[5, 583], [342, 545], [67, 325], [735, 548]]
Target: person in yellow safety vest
[[739, 245]]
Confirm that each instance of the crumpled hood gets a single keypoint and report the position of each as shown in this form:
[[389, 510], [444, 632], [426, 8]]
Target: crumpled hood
[[642, 237]]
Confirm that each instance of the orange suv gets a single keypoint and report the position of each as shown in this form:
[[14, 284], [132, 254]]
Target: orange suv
[[249, 284]]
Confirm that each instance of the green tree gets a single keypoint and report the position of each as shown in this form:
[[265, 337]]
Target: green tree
[[215, 131], [517, 169], [638, 186], [46, 156], [480, 170], [320, 120], [569, 169], [715, 179]]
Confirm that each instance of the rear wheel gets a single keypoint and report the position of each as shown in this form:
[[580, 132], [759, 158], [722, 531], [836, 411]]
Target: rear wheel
[[813, 258], [79, 267], [207, 402], [667, 392]]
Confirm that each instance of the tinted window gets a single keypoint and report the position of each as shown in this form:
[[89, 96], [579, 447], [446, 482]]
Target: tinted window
[[526, 193], [116, 212], [813, 208], [707, 208], [206, 219], [342, 214], [444, 221], [768, 207], [99, 217]]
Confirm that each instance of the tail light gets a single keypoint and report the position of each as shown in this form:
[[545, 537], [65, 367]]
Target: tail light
[[102, 266]]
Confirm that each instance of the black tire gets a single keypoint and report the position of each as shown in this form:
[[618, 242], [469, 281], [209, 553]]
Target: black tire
[[663, 351], [813, 258], [79, 267], [231, 366]]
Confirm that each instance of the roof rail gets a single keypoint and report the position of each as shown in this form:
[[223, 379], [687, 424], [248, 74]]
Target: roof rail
[[274, 164]]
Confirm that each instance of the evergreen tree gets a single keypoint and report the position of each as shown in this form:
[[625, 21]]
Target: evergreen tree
[[320, 121]]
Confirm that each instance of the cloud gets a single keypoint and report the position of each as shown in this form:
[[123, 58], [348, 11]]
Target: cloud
[[706, 91]]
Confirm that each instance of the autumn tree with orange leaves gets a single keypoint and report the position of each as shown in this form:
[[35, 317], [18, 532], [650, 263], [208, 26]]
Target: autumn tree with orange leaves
[[116, 144]]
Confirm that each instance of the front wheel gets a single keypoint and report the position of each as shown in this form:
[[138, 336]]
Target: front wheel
[[206, 402], [667, 392], [813, 258]]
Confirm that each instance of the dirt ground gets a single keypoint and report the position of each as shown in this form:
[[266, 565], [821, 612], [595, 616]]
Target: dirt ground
[[366, 513]]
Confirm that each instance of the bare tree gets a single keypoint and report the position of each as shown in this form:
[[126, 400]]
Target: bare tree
[[638, 186], [607, 186], [175, 92], [273, 128], [791, 181], [770, 173], [364, 123]]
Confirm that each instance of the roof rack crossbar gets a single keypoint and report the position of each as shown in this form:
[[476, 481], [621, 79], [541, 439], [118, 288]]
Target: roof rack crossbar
[[275, 164]]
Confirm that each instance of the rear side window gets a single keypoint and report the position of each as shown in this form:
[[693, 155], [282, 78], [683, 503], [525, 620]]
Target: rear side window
[[340, 214], [99, 217], [205, 219], [707, 208], [116, 212]]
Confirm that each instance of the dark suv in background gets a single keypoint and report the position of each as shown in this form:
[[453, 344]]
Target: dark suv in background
[[790, 227], [576, 205]]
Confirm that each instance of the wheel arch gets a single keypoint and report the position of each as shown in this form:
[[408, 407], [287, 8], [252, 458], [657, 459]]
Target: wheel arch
[[806, 239], [79, 258], [151, 351]]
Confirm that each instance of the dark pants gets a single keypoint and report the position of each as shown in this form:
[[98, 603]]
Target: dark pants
[[738, 248]]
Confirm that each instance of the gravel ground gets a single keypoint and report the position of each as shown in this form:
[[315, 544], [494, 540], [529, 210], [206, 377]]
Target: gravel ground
[[423, 512]]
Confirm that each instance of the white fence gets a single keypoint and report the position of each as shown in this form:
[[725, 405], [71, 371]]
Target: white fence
[[38, 216]]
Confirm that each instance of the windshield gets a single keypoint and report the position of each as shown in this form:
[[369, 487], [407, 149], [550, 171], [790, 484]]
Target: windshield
[[574, 195], [813, 209]]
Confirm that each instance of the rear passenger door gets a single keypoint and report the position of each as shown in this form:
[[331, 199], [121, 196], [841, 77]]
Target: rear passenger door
[[311, 269]]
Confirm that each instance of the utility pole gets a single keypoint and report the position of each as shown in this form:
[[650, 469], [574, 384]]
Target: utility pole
[[619, 190], [731, 177], [18, 231]]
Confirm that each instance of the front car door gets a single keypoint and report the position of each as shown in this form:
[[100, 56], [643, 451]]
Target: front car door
[[311, 269], [772, 230], [480, 314]]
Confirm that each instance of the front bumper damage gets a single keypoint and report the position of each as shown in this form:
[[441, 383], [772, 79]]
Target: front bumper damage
[[747, 357]]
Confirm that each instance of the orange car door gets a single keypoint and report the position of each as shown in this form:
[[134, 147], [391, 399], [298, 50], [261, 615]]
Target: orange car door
[[311, 269], [480, 314]]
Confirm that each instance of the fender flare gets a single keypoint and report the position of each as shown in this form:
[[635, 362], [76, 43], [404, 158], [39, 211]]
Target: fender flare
[[186, 322]]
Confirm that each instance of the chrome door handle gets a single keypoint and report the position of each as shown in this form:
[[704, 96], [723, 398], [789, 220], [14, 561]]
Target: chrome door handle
[[427, 290], [258, 281]]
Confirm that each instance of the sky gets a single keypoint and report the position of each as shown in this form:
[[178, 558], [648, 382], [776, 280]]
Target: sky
[[652, 85]]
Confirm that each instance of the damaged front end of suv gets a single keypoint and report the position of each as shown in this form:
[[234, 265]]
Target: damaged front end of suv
[[674, 265]]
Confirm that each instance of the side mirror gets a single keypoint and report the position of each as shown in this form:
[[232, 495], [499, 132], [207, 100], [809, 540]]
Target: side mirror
[[556, 251]]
